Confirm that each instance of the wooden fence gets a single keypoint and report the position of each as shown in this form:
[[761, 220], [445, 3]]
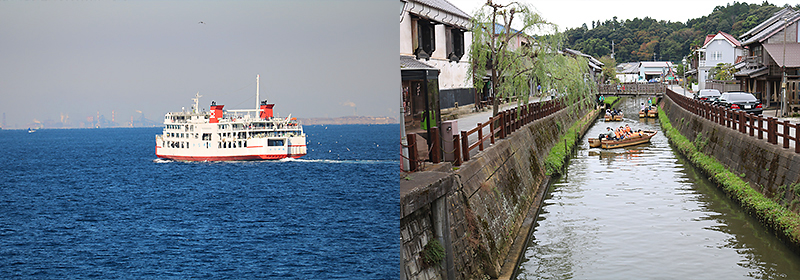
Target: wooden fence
[[724, 86], [503, 124], [500, 127], [754, 125]]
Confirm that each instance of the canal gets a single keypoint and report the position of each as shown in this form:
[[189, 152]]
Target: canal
[[645, 212]]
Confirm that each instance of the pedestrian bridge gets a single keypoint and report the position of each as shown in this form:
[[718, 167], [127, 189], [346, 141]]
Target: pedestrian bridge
[[633, 89]]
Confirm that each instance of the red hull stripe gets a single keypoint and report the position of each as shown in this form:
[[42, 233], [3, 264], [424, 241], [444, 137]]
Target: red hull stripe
[[255, 147], [228, 158]]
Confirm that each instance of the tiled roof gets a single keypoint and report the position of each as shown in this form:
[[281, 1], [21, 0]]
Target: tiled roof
[[591, 59], [775, 25], [726, 36], [443, 5], [411, 63], [776, 51], [628, 68], [655, 64], [440, 11], [760, 27], [709, 37]]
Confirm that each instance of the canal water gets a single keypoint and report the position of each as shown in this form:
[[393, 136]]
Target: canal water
[[644, 212]]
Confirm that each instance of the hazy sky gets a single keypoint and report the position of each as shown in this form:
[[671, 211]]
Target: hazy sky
[[574, 13], [316, 58]]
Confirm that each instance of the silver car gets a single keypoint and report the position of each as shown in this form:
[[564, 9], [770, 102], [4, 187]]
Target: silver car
[[707, 95]]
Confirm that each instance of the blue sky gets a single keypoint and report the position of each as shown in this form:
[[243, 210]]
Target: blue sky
[[316, 58]]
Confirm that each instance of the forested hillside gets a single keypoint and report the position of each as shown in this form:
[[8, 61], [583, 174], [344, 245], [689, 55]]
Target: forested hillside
[[639, 39]]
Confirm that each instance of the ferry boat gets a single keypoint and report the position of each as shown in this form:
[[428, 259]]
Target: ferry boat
[[230, 135]]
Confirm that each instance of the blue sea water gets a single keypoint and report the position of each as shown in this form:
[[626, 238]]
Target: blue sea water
[[94, 203]]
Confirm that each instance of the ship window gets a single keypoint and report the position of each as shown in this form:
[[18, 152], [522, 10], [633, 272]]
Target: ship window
[[206, 136], [274, 142]]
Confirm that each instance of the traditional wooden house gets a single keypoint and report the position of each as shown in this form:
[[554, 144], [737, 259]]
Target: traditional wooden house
[[772, 53]]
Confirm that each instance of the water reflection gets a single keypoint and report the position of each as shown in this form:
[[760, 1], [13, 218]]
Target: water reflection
[[643, 212]]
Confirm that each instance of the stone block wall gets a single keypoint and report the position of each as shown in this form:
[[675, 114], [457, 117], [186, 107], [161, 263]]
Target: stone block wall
[[477, 211], [497, 190], [765, 166]]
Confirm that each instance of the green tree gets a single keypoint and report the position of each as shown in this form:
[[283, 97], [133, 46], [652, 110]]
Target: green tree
[[609, 70], [722, 72], [512, 68]]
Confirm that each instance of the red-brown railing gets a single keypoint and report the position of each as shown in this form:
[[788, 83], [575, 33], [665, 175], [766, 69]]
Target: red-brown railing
[[753, 125], [503, 124]]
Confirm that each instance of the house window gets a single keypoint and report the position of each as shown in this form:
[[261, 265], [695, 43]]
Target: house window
[[716, 55], [455, 44], [426, 39]]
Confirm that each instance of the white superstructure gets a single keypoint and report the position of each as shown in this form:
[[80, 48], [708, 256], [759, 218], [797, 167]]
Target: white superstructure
[[226, 135]]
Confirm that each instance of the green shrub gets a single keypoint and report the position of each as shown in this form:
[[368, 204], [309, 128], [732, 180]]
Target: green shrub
[[433, 253]]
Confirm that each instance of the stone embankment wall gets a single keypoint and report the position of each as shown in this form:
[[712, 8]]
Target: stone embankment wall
[[761, 177], [482, 212], [765, 166]]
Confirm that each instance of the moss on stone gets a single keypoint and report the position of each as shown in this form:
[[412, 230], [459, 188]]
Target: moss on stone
[[784, 222]]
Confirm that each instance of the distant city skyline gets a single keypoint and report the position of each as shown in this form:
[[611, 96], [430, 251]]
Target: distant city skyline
[[76, 61]]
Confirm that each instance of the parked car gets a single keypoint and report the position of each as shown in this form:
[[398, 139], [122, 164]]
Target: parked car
[[740, 101], [707, 95]]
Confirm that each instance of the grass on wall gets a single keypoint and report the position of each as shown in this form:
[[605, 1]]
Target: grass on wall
[[773, 215]]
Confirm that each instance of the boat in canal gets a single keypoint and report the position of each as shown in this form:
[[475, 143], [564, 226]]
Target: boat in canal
[[653, 112], [230, 135], [648, 112], [643, 137], [614, 117]]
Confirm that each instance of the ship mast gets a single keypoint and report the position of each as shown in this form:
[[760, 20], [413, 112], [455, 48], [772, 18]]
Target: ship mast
[[196, 102], [257, 97]]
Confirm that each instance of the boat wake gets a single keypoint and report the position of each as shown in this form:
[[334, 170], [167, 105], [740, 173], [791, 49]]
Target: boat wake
[[161, 160], [341, 161]]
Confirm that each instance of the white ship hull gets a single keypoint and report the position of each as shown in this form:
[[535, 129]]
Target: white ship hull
[[240, 149]]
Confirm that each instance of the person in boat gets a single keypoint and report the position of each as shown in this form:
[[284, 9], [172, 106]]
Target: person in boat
[[625, 132], [608, 135], [628, 128]]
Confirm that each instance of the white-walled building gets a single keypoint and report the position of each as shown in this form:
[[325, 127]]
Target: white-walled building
[[655, 70], [434, 61], [717, 48]]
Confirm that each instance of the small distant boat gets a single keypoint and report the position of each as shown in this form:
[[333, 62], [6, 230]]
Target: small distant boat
[[648, 112], [653, 112], [644, 137], [614, 118], [31, 130]]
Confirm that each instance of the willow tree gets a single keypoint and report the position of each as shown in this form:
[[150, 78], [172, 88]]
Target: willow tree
[[505, 49]]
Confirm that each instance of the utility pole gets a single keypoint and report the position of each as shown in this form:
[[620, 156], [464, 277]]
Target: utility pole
[[612, 49], [783, 79]]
